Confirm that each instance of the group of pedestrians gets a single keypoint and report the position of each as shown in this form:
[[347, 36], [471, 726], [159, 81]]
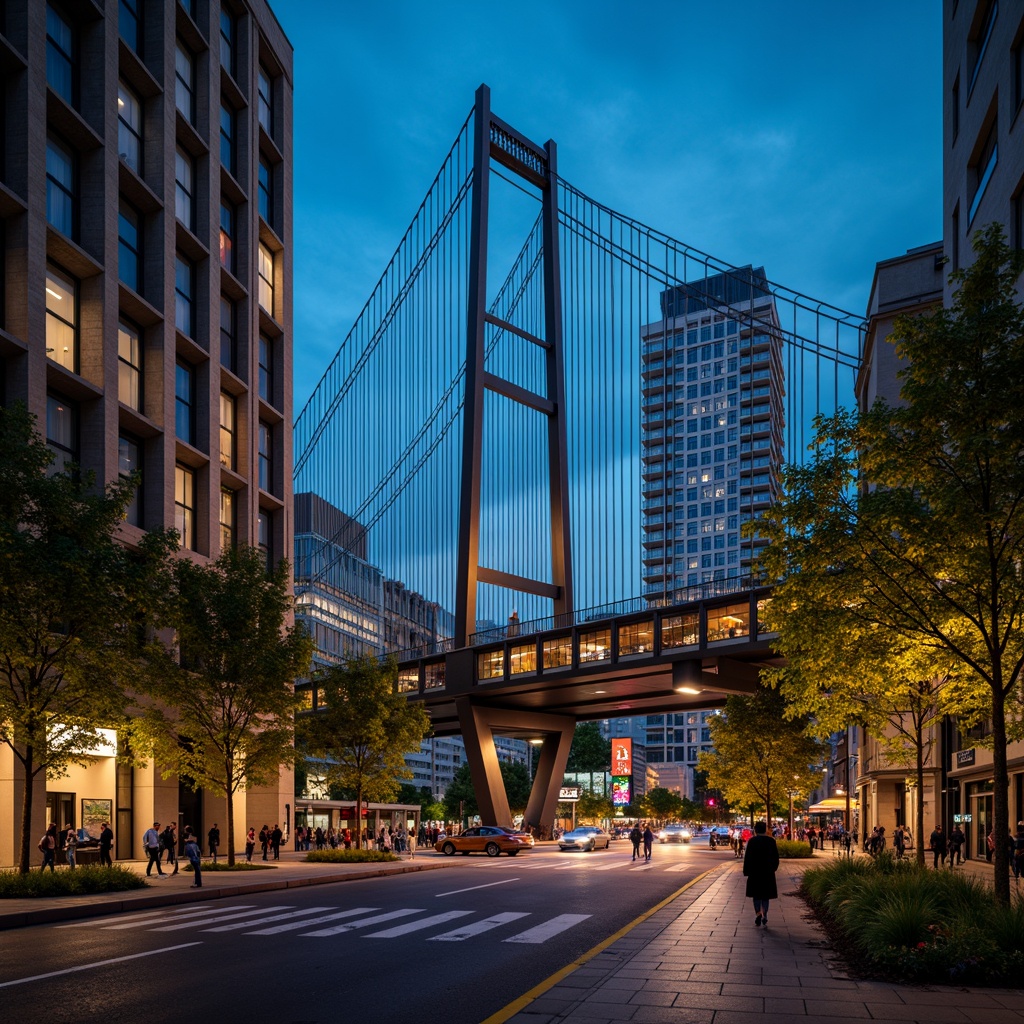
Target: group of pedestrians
[[68, 841], [645, 835]]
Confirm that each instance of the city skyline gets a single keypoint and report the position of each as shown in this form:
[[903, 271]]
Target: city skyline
[[817, 165]]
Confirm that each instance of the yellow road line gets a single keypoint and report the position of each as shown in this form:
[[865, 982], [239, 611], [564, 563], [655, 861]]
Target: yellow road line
[[506, 1012]]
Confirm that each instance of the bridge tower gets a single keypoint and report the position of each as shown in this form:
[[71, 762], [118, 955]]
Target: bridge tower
[[535, 165]]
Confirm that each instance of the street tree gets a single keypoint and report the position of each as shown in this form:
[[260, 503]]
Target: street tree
[[362, 729], [760, 753], [662, 803], [460, 796], [590, 753], [593, 808], [76, 609], [922, 504], [226, 705]]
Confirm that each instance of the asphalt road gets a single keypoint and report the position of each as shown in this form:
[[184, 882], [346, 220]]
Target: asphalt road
[[457, 944]]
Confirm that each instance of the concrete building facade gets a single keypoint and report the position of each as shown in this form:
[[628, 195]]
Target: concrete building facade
[[146, 313]]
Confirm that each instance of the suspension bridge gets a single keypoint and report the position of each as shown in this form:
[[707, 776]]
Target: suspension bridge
[[550, 421]]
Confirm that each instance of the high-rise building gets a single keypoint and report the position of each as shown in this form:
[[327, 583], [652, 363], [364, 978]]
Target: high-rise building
[[713, 386], [146, 308]]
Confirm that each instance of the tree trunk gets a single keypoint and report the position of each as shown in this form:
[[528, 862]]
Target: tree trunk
[[358, 830], [919, 809], [26, 814], [1000, 798], [231, 818]]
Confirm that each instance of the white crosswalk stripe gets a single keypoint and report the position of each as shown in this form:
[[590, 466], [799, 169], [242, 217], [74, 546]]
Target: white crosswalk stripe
[[267, 920], [467, 931], [165, 916], [545, 931], [293, 926], [418, 926], [370, 921], [221, 917]]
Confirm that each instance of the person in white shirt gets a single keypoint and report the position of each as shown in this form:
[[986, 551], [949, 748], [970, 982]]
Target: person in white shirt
[[151, 844]]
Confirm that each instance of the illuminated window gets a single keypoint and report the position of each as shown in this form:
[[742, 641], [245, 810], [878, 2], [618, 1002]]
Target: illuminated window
[[557, 653], [227, 431], [62, 319], [636, 638], [490, 664], [729, 622], [265, 270], [227, 518], [522, 659], [596, 645], [185, 506]]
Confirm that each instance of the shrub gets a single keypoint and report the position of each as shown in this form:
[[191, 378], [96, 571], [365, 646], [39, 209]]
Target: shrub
[[222, 865], [791, 848], [349, 856], [82, 881]]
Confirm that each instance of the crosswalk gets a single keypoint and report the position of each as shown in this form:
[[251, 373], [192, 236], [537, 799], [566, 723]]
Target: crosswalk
[[325, 921]]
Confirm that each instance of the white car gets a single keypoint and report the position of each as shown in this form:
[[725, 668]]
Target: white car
[[586, 837], [675, 834]]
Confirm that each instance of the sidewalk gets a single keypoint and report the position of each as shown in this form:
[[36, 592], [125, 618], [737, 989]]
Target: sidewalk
[[289, 872], [700, 960]]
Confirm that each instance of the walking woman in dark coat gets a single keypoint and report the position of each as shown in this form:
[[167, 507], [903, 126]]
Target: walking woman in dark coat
[[760, 862]]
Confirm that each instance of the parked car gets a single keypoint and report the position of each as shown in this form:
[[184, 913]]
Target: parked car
[[489, 839], [586, 837], [675, 834], [527, 837]]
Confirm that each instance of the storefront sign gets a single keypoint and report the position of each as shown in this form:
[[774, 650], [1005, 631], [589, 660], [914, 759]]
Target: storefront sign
[[963, 819], [964, 758], [569, 793], [622, 757]]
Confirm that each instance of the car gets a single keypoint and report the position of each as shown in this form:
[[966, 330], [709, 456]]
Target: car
[[675, 834], [527, 837], [489, 839], [585, 837]]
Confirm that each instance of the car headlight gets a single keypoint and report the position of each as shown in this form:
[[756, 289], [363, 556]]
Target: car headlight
[[662, 834]]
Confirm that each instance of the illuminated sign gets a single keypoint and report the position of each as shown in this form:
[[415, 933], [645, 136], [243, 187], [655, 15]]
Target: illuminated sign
[[622, 757], [569, 793], [621, 790]]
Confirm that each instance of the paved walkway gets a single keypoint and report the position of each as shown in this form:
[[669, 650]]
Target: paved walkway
[[700, 960]]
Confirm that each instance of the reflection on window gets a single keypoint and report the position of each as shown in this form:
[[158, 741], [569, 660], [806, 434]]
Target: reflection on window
[[433, 676], [60, 55], [129, 242], [128, 23], [265, 369], [227, 334], [557, 653], [183, 295], [129, 127], [636, 638], [60, 187], [183, 187], [522, 658], [680, 630], [184, 97], [264, 106], [596, 645], [265, 270], [265, 456], [490, 664], [129, 366], [264, 189], [726, 623]]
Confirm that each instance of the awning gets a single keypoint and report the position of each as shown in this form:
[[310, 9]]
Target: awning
[[832, 803]]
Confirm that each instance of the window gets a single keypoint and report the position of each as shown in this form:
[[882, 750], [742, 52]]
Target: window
[[981, 169], [265, 456], [184, 83], [60, 187], [128, 23], [227, 431], [227, 518], [265, 98], [183, 295], [264, 189], [185, 506], [183, 187], [60, 55], [227, 138], [129, 366], [62, 319], [129, 127], [266, 378], [264, 537], [129, 461], [227, 334], [979, 39], [129, 247], [955, 108], [61, 433], [265, 270], [227, 234], [227, 42], [184, 409]]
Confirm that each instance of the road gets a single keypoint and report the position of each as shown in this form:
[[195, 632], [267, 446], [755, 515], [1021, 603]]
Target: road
[[457, 944]]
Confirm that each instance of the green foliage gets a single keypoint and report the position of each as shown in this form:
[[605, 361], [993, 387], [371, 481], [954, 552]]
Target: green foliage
[[902, 921], [229, 698], [662, 803], [790, 848], [592, 808], [76, 608], [83, 881], [590, 751], [761, 752], [460, 793], [362, 730], [434, 811], [902, 538], [349, 856]]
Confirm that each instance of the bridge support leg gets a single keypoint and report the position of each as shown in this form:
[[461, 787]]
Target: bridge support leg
[[479, 726]]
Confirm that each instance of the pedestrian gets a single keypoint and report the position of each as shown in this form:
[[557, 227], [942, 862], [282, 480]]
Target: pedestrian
[[956, 844], [48, 846], [151, 844], [275, 841], [899, 842], [70, 845], [250, 844], [213, 840], [937, 844], [265, 840], [636, 837], [990, 844], [106, 842], [648, 842], [760, 862], [194, 858], [169, 844]]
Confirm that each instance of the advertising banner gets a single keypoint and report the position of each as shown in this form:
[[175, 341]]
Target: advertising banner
[[621, 790], [622, 757]]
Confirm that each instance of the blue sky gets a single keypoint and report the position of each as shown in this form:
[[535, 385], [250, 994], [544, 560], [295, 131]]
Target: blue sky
[[804, 136]]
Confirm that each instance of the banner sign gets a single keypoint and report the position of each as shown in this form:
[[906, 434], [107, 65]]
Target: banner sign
[[621, 790], [622, 757], [569, 793]]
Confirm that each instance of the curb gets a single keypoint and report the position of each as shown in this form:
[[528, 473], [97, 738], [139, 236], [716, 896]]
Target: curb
[[118, 905]]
